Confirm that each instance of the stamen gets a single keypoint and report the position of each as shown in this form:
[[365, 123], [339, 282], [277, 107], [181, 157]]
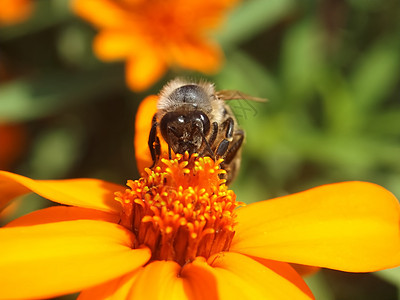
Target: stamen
[[181, 209]]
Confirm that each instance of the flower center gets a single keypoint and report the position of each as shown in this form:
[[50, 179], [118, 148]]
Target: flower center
[[181, 209]]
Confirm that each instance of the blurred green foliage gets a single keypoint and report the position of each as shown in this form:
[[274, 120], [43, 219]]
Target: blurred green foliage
[[330, 69]]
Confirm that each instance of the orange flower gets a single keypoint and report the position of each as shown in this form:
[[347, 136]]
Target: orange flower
[[176, 233], [12, 141], [155, 35], [14, 11]]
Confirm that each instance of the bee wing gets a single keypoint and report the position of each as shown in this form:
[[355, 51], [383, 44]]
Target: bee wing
[[235, 95]]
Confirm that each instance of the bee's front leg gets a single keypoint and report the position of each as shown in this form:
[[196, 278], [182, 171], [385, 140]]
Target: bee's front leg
[[154, 142]]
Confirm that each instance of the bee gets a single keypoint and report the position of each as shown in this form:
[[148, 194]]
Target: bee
[[193, 117]]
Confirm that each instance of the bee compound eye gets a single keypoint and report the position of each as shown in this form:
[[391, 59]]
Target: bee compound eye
[[181, 119], [165, 124]]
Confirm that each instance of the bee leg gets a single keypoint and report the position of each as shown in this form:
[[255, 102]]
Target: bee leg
[[231, 152], [228, 124], [214, 133], [154, 142], [223, 146], [211, 141]]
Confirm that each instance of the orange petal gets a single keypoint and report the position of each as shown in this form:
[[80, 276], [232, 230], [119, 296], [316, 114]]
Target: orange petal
[[144, 115], [10, 210], [198, 55], [350, 226], [102, 13], [159, 280], [201, 279], [115, 44], [117, 289], [193, 281], [15, 11], [64, 257], [63, 213], [89, 193], [240, 277], [144, 69]]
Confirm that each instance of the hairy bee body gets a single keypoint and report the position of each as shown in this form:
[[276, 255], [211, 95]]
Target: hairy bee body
[[193, 117]]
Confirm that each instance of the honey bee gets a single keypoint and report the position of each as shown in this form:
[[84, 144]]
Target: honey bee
[[193, 117]]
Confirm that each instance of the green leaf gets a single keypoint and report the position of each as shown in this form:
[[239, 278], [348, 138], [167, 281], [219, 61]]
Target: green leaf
[[32, 98], [340, 112], [377, 72], [301, 60], [386, 123], [390, 275], [55, 151], [252, 17], [242, 72], [320, 287]]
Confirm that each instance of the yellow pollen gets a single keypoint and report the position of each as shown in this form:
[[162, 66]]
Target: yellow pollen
[[180, 209]]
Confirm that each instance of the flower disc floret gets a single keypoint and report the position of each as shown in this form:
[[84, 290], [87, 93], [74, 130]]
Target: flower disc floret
[[180, 209]]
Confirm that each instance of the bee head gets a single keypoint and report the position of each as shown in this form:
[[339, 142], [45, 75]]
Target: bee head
[[185, 131]]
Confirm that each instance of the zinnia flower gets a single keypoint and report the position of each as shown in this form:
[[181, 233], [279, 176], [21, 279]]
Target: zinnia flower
[[15, 11], [177, 233], [155, 35]]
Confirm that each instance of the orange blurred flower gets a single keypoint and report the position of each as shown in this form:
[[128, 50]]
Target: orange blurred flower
[[155, 35], [176, 233], [12, 141], [15, 11]]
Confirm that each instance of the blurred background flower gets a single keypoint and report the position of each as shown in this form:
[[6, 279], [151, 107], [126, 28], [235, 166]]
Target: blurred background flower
[[153, 36], [330, 70], [15, 11]]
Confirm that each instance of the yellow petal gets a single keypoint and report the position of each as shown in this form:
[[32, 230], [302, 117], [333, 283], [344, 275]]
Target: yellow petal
[[350, 226], [117, 289], [63, 213], [58, 258], [159, 280], [240, 277], [245, 279], [88, 193], [144, 69], [287, 271]]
